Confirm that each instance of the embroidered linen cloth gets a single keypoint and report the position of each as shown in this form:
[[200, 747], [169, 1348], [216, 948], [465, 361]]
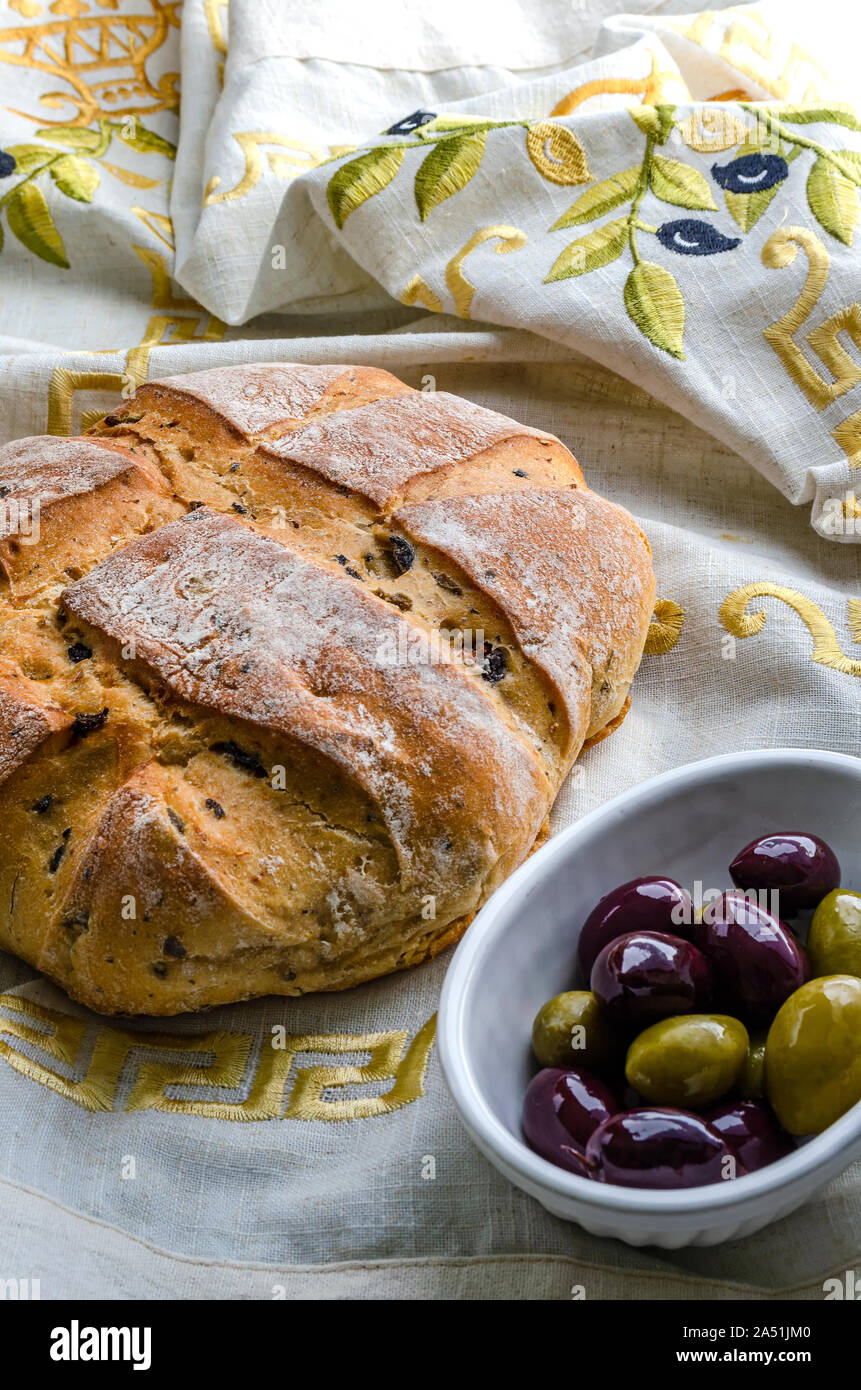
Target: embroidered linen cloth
[[200, 1157], [705, 251]]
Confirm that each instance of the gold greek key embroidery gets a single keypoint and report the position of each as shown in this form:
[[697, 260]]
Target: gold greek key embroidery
[[826, 647], [157, 223], [665, 629], [61, 393], [180, 320], [101, 60], [221, 1059], [213, 1059], [746, 38], [283, 166], [418, 291], [848, 436], [388, 1062], [779, 251], [461, 289]]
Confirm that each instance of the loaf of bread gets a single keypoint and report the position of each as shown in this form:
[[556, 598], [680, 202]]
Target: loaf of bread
[[293, 662]]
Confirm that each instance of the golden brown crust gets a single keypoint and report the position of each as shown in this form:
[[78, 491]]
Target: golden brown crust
[[80, 498], [239, 754], [27, 724]]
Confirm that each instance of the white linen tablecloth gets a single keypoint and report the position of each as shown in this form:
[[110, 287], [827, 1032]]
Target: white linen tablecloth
[[346, 1173]]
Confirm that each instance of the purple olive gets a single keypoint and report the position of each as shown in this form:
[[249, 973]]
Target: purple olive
[[752, 1133], [757, 962], [800, 868], [560, 1111], [646, 976], [660, 1148], [644, 904]]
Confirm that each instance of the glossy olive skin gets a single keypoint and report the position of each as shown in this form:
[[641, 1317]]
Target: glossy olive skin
[[561, 1109], [800, 867], [572, 1030], [751, 1082], [834, 942], [813, 1055], [660, 1148], [757, 962], [752, 1133], [688, 1062], [643, 904], [646, 976]]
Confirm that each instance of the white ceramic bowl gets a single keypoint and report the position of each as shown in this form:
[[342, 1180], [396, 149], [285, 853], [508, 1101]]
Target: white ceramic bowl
[[521, 950]]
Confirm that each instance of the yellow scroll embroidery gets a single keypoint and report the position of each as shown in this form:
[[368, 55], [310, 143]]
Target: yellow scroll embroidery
[[418, 291], [212, 10], [461, 289], [665, 629], [826, 648], [779, 251], [209, 1060], [283, 166], [651, 88]]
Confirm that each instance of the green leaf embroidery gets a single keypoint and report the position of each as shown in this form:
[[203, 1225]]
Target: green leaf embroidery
[[29, 157], [601, 198], [31, 222], [654, 121], [598, 248], [833, 200], [654, 302], [680, 184], [808, 115], [145, 141], [361, 178], [747, 208], [849, 164], [84, 140], [464, 125], [75, 177], [447, 169]]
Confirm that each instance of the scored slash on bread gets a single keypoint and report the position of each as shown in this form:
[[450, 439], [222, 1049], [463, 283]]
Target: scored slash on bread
[[215, 785]]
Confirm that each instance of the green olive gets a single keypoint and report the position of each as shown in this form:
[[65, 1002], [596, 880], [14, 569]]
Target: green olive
[[751, 1083], [571, 1030], [834, 943], [813, 1054], [689, 1061]]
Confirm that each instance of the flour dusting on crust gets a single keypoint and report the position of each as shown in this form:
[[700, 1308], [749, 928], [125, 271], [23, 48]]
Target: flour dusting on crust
[[232, 621], [376, 449], [255, 397], [47, 469], [549, 559]]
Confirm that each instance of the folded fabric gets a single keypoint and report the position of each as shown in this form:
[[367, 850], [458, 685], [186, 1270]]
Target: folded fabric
[[704, 249]]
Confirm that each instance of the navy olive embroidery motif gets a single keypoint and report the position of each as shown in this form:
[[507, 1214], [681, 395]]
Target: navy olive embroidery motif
[[614, 216], [751, 173], [408, 124], [7, 164], [691, 237]]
